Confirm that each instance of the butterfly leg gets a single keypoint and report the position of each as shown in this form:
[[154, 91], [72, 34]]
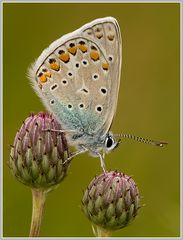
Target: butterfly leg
[[101, 156], [102, 162]]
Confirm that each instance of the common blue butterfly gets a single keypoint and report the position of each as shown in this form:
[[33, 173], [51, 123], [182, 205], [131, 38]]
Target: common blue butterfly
[[77, 77]]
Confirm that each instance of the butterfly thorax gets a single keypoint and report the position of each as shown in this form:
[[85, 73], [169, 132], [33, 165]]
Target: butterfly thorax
[[93, 142]]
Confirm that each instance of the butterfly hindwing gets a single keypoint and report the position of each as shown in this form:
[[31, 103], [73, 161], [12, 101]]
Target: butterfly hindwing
[[77, 77]]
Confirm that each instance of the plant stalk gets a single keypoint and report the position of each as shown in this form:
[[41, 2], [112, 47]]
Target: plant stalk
[[38, 202], [101, 232]]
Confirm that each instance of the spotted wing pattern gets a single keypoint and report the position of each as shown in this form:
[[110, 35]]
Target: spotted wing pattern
[[78, 76]]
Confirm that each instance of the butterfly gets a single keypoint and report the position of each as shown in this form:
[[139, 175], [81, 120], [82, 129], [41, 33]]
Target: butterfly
[[78, 77]]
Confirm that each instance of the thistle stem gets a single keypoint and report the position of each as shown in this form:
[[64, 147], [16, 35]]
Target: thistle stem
[[101, 232], [38, 202]]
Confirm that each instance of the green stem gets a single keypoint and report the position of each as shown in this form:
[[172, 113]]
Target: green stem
[[38, 202], [101, 232]]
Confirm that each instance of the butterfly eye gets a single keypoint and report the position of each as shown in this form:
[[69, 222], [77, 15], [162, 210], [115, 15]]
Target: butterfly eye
[[110, 143]]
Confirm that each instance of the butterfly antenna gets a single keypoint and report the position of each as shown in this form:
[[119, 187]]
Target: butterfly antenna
[[143, 140]]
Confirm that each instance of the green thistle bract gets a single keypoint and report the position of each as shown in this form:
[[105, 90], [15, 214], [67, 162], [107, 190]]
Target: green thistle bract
[[111, 200], [37, 154]]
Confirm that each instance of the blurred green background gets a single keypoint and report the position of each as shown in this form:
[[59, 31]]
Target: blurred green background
[[148, 106]]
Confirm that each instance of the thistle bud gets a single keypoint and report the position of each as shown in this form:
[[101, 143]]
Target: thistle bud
[[38, 154], [111, 200]]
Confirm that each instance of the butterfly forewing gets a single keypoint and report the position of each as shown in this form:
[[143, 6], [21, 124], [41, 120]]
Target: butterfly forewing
[[77, 77], [106, 34]]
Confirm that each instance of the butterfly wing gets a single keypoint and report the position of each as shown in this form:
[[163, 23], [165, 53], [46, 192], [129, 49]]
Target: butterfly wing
[[77, 77]]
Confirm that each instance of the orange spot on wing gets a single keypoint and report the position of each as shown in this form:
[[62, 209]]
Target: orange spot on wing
[[72, 50], [40, 86], [110, 36], [47, 74], [99, 35], [95, 55], [44, 75], [64, 57], [105, 66], [55, 66], [83, 47], [42, 78]]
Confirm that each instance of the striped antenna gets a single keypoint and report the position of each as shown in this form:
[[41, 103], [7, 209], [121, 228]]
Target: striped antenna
[[143, 140]]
